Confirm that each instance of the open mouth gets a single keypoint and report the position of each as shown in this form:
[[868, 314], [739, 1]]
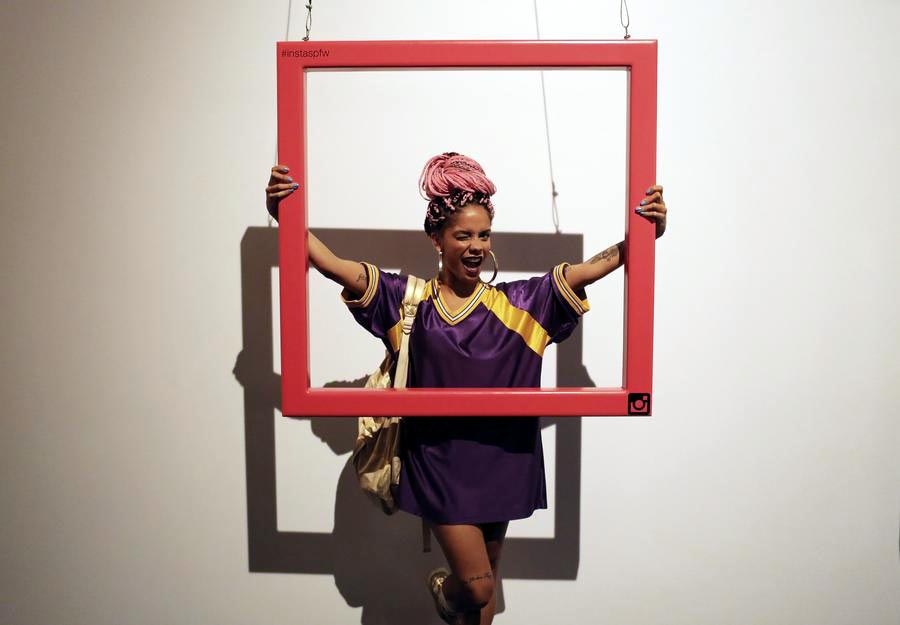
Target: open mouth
[[472, 264]]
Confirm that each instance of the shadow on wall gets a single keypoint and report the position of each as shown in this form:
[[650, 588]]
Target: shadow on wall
[[377, 558]]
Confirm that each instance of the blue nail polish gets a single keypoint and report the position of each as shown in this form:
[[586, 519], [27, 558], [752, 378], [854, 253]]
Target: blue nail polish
[[649, 191], [643, 202], [295, 185], [638, 210]]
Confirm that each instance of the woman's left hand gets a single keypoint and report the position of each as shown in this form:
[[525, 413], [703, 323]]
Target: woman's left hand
[[654, 207]]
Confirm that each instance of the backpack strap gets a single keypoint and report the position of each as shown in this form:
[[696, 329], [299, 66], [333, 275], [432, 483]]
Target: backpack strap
[[415, 287]]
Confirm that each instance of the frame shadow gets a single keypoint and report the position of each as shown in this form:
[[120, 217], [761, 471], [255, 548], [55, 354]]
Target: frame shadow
[[365, 541]]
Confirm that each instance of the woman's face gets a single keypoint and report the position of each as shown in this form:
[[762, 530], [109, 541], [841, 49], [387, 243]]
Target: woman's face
[[465, 241]]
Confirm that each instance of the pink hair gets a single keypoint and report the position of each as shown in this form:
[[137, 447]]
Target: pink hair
[[450, 181]]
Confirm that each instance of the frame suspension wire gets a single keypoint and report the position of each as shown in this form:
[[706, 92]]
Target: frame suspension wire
[[287, 29], [554, 193], [287, 37], [308, 19], [624, 19]]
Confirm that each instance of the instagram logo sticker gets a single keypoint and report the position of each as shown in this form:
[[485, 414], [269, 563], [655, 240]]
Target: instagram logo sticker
[[638, 403]]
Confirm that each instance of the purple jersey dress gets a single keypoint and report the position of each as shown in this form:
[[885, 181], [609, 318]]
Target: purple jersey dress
[[473, 469]]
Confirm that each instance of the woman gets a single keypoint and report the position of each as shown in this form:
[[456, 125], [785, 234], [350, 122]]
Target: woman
[[468, 477]]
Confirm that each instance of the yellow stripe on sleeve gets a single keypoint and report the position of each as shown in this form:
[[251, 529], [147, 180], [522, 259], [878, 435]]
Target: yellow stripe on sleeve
[[578, 304], [371, 289]]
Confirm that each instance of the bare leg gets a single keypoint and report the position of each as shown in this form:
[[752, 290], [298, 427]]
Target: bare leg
[[494, 534], [472, 552], [471, 582]]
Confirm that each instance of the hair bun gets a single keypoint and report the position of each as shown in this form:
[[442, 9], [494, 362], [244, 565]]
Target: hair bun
[[451, 171], [449, 181]]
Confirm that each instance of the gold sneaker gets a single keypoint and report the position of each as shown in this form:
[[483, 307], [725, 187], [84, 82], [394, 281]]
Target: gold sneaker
[[435, 586]]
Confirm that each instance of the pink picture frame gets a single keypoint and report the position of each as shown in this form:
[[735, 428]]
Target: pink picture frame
[[633, 398]]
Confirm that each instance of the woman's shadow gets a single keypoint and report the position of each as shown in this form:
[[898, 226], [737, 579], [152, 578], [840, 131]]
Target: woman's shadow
[[377, 560]]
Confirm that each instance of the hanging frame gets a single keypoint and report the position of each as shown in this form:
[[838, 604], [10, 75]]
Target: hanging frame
[[639, 58]]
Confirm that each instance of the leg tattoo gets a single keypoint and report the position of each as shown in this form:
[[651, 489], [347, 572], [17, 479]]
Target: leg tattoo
[[487, 575]]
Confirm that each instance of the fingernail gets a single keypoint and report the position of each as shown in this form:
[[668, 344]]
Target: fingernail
[[649, 191], [285, 169], [643, 202], [289, 179], [295, 185], [638, 210]]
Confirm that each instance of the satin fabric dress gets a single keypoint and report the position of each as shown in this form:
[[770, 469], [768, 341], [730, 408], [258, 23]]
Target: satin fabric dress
[[472, 469]]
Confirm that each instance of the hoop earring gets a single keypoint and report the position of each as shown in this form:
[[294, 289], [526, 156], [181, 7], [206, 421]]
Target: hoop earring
[[496, 267]]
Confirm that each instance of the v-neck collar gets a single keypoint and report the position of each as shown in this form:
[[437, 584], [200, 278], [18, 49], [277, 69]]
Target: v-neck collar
[[464, 311]]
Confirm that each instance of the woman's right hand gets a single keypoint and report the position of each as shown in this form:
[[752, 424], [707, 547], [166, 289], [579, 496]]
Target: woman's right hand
[[280, 186]]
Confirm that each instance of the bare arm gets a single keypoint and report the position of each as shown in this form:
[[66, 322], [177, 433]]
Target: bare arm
[[653, 208], [348, 273], [580, 275]]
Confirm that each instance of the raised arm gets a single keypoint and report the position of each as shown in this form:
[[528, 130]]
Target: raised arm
[[653, 207], [580, 275], [348, 273]]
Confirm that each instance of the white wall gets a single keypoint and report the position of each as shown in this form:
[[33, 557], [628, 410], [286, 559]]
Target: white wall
[[137, 138]]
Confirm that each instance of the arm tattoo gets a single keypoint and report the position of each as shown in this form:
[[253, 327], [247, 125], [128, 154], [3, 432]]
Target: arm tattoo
[[609, 253], [361, 278], [477, 577]]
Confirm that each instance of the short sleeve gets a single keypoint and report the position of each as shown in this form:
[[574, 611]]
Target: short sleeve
[[551, 301], [378, 309]]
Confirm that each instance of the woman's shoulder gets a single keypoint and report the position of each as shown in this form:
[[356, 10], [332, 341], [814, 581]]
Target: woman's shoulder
[[393, 280], [529, 282]]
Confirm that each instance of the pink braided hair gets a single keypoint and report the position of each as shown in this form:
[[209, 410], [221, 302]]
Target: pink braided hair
[[449, 181]]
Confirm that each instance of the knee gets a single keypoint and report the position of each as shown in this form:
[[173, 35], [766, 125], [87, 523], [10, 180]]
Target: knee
[[477, 593]]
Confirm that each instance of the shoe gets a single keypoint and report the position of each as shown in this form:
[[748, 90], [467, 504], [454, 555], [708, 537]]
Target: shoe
[[435, 586]]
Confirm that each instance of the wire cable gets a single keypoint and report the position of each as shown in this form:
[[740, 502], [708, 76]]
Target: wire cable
[[554, 193], [626, 20], [287, 37]]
